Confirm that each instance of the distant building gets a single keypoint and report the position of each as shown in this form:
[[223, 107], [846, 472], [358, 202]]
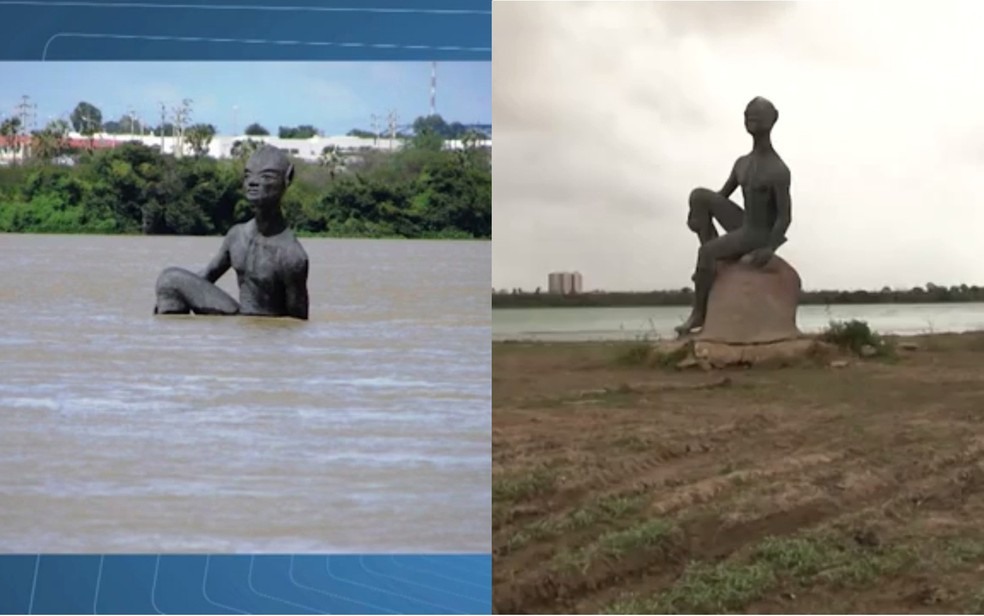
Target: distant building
[[220, 146], [564, 283]]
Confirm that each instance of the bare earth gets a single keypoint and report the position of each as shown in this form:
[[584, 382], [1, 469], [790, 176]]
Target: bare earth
[[623, 488]]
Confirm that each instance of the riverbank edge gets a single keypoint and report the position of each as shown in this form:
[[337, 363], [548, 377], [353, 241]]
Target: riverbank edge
[[892, 338], [299, 235]]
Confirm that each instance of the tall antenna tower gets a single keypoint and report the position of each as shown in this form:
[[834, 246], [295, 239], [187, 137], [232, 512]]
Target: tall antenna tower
[[433, 88], [24, 112]]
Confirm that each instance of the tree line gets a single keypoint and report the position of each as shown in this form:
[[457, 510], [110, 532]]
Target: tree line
[[419, 191], [87, 119], [928, 294]]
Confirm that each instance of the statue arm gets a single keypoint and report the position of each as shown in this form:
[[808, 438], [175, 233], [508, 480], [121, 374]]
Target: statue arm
[[297, 293], [784, 214], [730, 184], [219, 264]]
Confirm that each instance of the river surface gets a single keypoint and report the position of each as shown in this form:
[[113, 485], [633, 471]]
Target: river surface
[[581, 324], [365, 429]]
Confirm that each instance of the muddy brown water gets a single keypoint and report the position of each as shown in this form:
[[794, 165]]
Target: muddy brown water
[[365, 429]]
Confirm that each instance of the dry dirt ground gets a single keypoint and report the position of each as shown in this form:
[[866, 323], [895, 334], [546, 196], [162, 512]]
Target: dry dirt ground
[[620, 488]]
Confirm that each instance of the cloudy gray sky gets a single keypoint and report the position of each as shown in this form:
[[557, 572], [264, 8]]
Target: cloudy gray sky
[[607, 114]]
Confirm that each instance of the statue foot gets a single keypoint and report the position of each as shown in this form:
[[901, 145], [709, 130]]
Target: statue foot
[[692, 323]]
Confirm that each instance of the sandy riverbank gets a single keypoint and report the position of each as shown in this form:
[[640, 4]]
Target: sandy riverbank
[[619, 487]]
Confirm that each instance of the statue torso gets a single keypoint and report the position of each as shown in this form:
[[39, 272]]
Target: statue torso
[[758, 175], [261, 264]]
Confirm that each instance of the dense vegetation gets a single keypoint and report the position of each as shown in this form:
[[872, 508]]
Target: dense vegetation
[[931, 293], [420, 191]]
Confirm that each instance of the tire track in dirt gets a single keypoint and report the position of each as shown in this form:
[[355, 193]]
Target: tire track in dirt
[[714, 537]]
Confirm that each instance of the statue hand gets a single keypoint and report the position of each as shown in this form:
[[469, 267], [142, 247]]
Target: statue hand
[[760, 257]]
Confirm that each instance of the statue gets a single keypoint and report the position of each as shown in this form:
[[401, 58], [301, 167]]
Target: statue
[[271, 265], [751, 235]]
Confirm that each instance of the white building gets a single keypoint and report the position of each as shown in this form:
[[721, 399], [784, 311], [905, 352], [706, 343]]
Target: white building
[[564, 283], [221, 145]]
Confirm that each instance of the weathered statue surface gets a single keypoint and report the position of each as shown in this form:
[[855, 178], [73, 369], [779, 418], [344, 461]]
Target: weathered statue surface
[[271, 265], [752, 234]]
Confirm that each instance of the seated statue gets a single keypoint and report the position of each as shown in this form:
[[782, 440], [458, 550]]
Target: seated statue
[[751, 235], [271, 265]]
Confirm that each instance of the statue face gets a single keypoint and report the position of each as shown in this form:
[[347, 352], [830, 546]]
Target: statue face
[[760, 116], [268, 173]]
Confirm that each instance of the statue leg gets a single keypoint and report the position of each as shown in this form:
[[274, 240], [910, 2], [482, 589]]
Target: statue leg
[[729, 246], [182, 292], [706, 206]]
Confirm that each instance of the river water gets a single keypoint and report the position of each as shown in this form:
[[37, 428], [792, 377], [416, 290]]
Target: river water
[[580, 324], [365, 429]]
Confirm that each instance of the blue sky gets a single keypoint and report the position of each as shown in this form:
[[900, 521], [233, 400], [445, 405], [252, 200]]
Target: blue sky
[[333, 96]]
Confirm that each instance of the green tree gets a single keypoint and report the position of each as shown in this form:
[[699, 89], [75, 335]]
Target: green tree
[[332, 160], [256, 130], [86, 119], [51, 141], [242, 150], [305, 131], [432, 123], [166, 130], [199, 137], [10, 131], [126, 125]]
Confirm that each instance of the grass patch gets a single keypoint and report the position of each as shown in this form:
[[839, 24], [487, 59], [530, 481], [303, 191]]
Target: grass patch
[[706, 589], [648, 535], [976, 603], [634, 354], [810, 559], [670, 355], [857, 337], [604, 511], [799, 557], [963, 551], [653, 351], [522, 486], [801, 561]]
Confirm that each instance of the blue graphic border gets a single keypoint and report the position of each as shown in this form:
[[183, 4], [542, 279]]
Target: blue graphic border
[[245, 584], [236, 30], [245, 30]]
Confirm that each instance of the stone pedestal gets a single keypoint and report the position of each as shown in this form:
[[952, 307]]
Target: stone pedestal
[[750, 305]]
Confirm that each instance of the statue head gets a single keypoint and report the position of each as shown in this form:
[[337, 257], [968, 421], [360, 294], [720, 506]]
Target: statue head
[[268, 174], [760, 116]]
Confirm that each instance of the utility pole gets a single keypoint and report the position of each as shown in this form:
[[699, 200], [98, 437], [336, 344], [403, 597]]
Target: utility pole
[[163, 122], [391, 119], [181, 116], [375, 129]]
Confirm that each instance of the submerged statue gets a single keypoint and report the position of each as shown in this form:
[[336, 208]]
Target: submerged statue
[[271, 265], [751, 235]]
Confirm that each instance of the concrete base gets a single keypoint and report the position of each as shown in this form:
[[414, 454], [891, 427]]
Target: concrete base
[[691, 353]]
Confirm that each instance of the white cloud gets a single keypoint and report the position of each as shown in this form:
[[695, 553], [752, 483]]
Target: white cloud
[[608, 114]]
